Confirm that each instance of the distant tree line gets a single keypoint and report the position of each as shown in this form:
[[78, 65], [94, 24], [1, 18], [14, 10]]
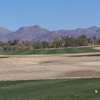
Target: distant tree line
[[66, 41]]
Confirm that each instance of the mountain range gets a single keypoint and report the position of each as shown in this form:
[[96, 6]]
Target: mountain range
[[37, 33]]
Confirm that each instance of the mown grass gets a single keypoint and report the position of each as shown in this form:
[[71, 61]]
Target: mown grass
[[50, 51], [77, 89]]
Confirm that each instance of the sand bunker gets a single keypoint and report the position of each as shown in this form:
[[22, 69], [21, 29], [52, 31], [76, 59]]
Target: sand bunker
[[91, 63], [48, 67]]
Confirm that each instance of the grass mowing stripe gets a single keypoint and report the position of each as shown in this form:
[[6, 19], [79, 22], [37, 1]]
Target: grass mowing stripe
[[76, 89], [50, 51]]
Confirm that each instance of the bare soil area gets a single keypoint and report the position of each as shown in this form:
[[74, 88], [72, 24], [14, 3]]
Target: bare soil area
[[48, 67]]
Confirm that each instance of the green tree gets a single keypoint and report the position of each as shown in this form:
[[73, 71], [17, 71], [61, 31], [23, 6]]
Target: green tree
[[82, 40], [57, 43], [98, 41], [69, 41]]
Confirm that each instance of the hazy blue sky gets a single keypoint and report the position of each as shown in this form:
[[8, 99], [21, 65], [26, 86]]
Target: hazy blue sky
[[52, 14]]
